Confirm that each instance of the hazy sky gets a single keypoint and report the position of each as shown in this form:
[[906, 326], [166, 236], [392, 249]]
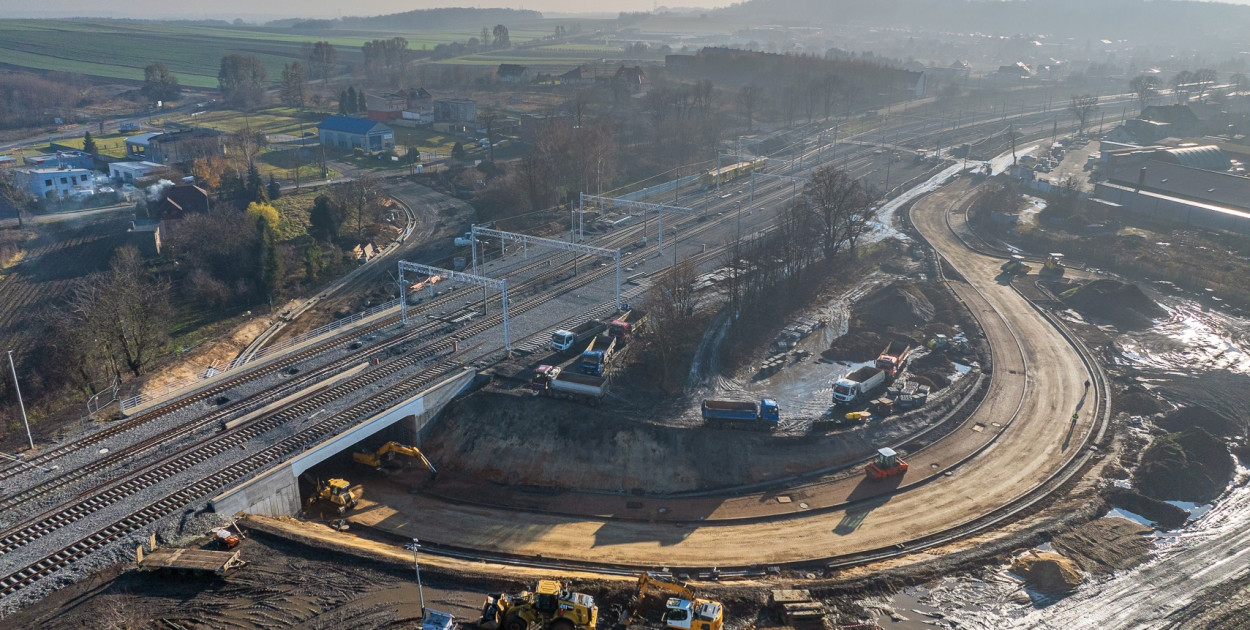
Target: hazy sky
[[309, 8]]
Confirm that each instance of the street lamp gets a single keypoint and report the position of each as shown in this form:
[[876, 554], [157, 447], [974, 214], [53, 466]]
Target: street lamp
[[414, 546]]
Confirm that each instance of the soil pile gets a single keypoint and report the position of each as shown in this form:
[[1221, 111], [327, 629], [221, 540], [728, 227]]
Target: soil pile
[[1105, 545], [1117, 302], [1192, 465], [1168, 516], [900, 304], [1201, 417], [1139, 402], [1048, 572], [859, 345]]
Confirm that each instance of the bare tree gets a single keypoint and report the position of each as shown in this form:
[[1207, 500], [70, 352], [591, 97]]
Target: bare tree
[[1204, 78], [363, 199], [488, 118], [749, 98], [124, 313], [1081, 107], [1146, 87], [578, 103], [672, 305], [321, 57], [294, 87], [1182, 83], [843, 207]]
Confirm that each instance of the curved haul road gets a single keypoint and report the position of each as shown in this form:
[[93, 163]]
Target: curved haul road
[[1024, 425]]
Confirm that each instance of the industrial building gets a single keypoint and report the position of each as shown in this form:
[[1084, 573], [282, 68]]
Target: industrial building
[[51, 183], [347, 133]]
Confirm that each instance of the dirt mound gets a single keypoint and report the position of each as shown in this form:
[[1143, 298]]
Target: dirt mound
[[1048, 572], [1105, 545], [1192, 465], [1207, 420], [1117, 302], [1168, 516], [933, 361], [861, 344], [900, 304], [1139, 403]]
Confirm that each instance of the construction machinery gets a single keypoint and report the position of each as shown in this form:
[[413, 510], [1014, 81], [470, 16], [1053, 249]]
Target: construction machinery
[[627, 325], [550, 606], [887, 464], [1054, 264], [339, 494], [596, 355], [1016, 265], [891, 364], [682, 610], [377, 459]]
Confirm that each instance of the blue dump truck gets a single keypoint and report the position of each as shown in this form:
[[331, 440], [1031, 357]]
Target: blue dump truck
[[596, 356], [761, 416]]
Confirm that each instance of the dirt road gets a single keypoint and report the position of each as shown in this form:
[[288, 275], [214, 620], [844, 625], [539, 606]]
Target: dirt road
[[1037, 386]]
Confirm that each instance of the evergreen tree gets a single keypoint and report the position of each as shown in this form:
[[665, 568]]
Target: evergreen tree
[[88, 143], [313, 261], [271, 271], [324, 219], [352, 101], [343, 103], [254, 187], [273, 189], [363, 105]]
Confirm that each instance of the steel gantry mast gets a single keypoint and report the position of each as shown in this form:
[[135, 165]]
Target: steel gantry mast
[[526, 240], [659, 208], [500, 284]]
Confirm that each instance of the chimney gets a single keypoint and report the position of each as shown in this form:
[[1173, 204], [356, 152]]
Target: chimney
[[1141, 178]]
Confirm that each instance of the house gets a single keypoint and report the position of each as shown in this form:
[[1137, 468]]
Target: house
[[577, 76], [145, 236], [1183, 118], [71, 159], [1017, 70], [513, 73], [179, 200], [633, 78], [347, 133], [129, 172], [409, 104], [52, 183], [137, 146], [455, 110], [181, 147]]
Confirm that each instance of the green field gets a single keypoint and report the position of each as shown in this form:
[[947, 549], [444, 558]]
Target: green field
[[120, 50]]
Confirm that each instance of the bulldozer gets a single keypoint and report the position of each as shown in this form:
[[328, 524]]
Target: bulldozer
[[550, 606], [339, 494], [386, 453], [1016, 265], [682, 611], [887, 464]]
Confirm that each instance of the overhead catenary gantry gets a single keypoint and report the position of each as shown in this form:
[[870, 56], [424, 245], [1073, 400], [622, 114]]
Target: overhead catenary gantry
[[659, 208], [500, 284], [526, 240]]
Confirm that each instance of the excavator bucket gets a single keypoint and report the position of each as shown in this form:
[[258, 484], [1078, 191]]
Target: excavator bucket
[[490, 613]]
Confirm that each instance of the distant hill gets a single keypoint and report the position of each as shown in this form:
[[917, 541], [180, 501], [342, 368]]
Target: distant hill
[[1137, 20], [421, 19]]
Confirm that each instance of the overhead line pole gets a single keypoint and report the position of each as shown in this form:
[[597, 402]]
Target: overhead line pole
[[500, 284], [577, 248]]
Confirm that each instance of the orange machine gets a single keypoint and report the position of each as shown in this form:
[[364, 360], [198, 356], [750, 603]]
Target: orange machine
[[887, 464]]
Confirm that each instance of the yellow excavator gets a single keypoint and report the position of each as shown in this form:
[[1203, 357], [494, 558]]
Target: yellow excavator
[[386, 453], [339, 494], [550, 606], [682, 611]]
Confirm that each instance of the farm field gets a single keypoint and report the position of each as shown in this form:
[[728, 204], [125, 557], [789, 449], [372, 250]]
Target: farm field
[[115, 49]]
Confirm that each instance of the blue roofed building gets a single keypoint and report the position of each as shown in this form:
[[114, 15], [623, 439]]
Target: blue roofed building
[[348, 133]]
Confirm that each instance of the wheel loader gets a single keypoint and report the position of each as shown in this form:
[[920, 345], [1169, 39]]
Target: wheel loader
[[1016, 265], [550, 606]]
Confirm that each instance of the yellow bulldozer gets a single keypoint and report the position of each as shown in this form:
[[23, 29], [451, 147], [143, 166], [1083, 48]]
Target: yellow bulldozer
[[338, 494], [682, 611], [1016, 265], [550, 606], [385, 454]]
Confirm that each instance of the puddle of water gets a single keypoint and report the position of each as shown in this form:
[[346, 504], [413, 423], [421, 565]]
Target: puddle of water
[[1195, 509], [1187, 337], [1125, 514]]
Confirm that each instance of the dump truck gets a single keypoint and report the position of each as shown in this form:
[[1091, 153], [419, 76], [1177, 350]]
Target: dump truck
[[550, 606], [886, 464], [386, 453], [563, 340], [1016, 265], [892, 363], [682, 611], [858, 384], [595, 358], [626, 326], [763, 416], [558, 383], [338, 494]]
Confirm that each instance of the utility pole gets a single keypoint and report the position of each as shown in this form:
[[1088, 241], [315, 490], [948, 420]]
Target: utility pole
[[417, 566], [17, 388]]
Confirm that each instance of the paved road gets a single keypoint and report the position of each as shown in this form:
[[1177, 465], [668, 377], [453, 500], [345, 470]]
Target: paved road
[[1041, 377]]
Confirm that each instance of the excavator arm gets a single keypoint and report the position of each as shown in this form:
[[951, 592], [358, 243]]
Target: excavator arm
[[375, 458], [651, 582]]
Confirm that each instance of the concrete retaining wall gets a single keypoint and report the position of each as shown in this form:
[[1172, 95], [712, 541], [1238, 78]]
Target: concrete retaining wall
[[275, 492]]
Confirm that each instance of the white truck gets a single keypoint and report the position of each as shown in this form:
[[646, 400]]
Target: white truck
[[562, 340], [858, 384]]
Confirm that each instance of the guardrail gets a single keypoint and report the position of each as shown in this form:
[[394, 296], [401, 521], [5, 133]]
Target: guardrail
[[213, 370]]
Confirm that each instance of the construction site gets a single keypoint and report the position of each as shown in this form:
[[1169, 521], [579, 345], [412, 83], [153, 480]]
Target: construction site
[[954, 432]]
